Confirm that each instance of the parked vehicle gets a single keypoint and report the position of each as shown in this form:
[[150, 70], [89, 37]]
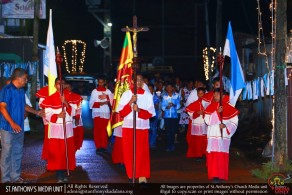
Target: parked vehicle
[[83, 84]]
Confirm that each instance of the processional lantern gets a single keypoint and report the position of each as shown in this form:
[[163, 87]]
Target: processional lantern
[[74, 55]]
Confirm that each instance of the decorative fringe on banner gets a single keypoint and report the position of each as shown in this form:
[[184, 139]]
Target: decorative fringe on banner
[[6, 69], [255, 89]]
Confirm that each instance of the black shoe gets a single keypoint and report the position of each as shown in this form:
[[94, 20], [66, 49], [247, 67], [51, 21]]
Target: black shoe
[[130, 180], [19, 180], [143, 185], [222, 180], [122, 167], [60, 174], [60, 180], [153, 148], [66, 179], [216, 180], [199, 159]]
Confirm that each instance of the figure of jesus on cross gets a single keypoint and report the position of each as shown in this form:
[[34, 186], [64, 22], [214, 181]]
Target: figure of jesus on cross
[[135, 29]]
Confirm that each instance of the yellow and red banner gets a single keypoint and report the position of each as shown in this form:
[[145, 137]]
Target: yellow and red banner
[[123, 82]]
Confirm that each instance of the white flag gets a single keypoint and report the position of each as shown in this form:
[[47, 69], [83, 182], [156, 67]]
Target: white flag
[[50, 68]]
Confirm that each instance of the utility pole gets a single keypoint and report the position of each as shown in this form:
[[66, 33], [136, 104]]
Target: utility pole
[[96, 8], [108, 35], [35, 57]]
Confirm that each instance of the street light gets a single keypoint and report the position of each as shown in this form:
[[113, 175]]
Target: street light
[[104, 43]]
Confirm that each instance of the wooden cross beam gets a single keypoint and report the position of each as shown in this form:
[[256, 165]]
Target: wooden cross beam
[[135, 29]]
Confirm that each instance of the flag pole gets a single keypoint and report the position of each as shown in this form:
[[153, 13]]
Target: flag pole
[[220, 60], [59, 60], [135, 65]]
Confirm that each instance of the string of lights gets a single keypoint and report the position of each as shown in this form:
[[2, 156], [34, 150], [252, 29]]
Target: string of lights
[[273, 33], [261, 37], [206, 60], [75, 44], [289, 55]]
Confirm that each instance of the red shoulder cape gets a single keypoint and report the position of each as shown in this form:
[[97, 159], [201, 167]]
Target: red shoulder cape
[[43, 92], [54, 101], [74, 98], [194, 107], [228, 110], [208, 97]]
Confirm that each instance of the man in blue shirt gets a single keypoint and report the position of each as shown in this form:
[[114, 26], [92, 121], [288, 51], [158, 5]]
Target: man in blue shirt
[[12, 108], [170, 104]]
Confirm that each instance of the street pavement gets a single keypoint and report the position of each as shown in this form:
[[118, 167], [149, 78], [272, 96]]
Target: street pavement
[[165, 167]]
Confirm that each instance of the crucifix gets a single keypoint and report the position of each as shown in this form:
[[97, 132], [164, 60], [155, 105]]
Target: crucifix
[[135, 29]]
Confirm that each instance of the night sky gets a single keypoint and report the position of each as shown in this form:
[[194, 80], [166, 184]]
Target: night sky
[[183, 43]]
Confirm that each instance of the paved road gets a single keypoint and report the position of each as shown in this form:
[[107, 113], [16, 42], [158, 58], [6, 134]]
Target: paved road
[[165, 167]]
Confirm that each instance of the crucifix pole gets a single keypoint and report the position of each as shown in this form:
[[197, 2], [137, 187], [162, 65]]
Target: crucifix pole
[[135, 29], [220, 61], [59, 61]]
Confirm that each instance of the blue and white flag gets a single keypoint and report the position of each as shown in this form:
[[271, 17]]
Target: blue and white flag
[[237, 78], [286, 76], [244, 93], [262, 87], [272, 77], [255, 89], [226, 83], [6, 73], [249, 90]]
